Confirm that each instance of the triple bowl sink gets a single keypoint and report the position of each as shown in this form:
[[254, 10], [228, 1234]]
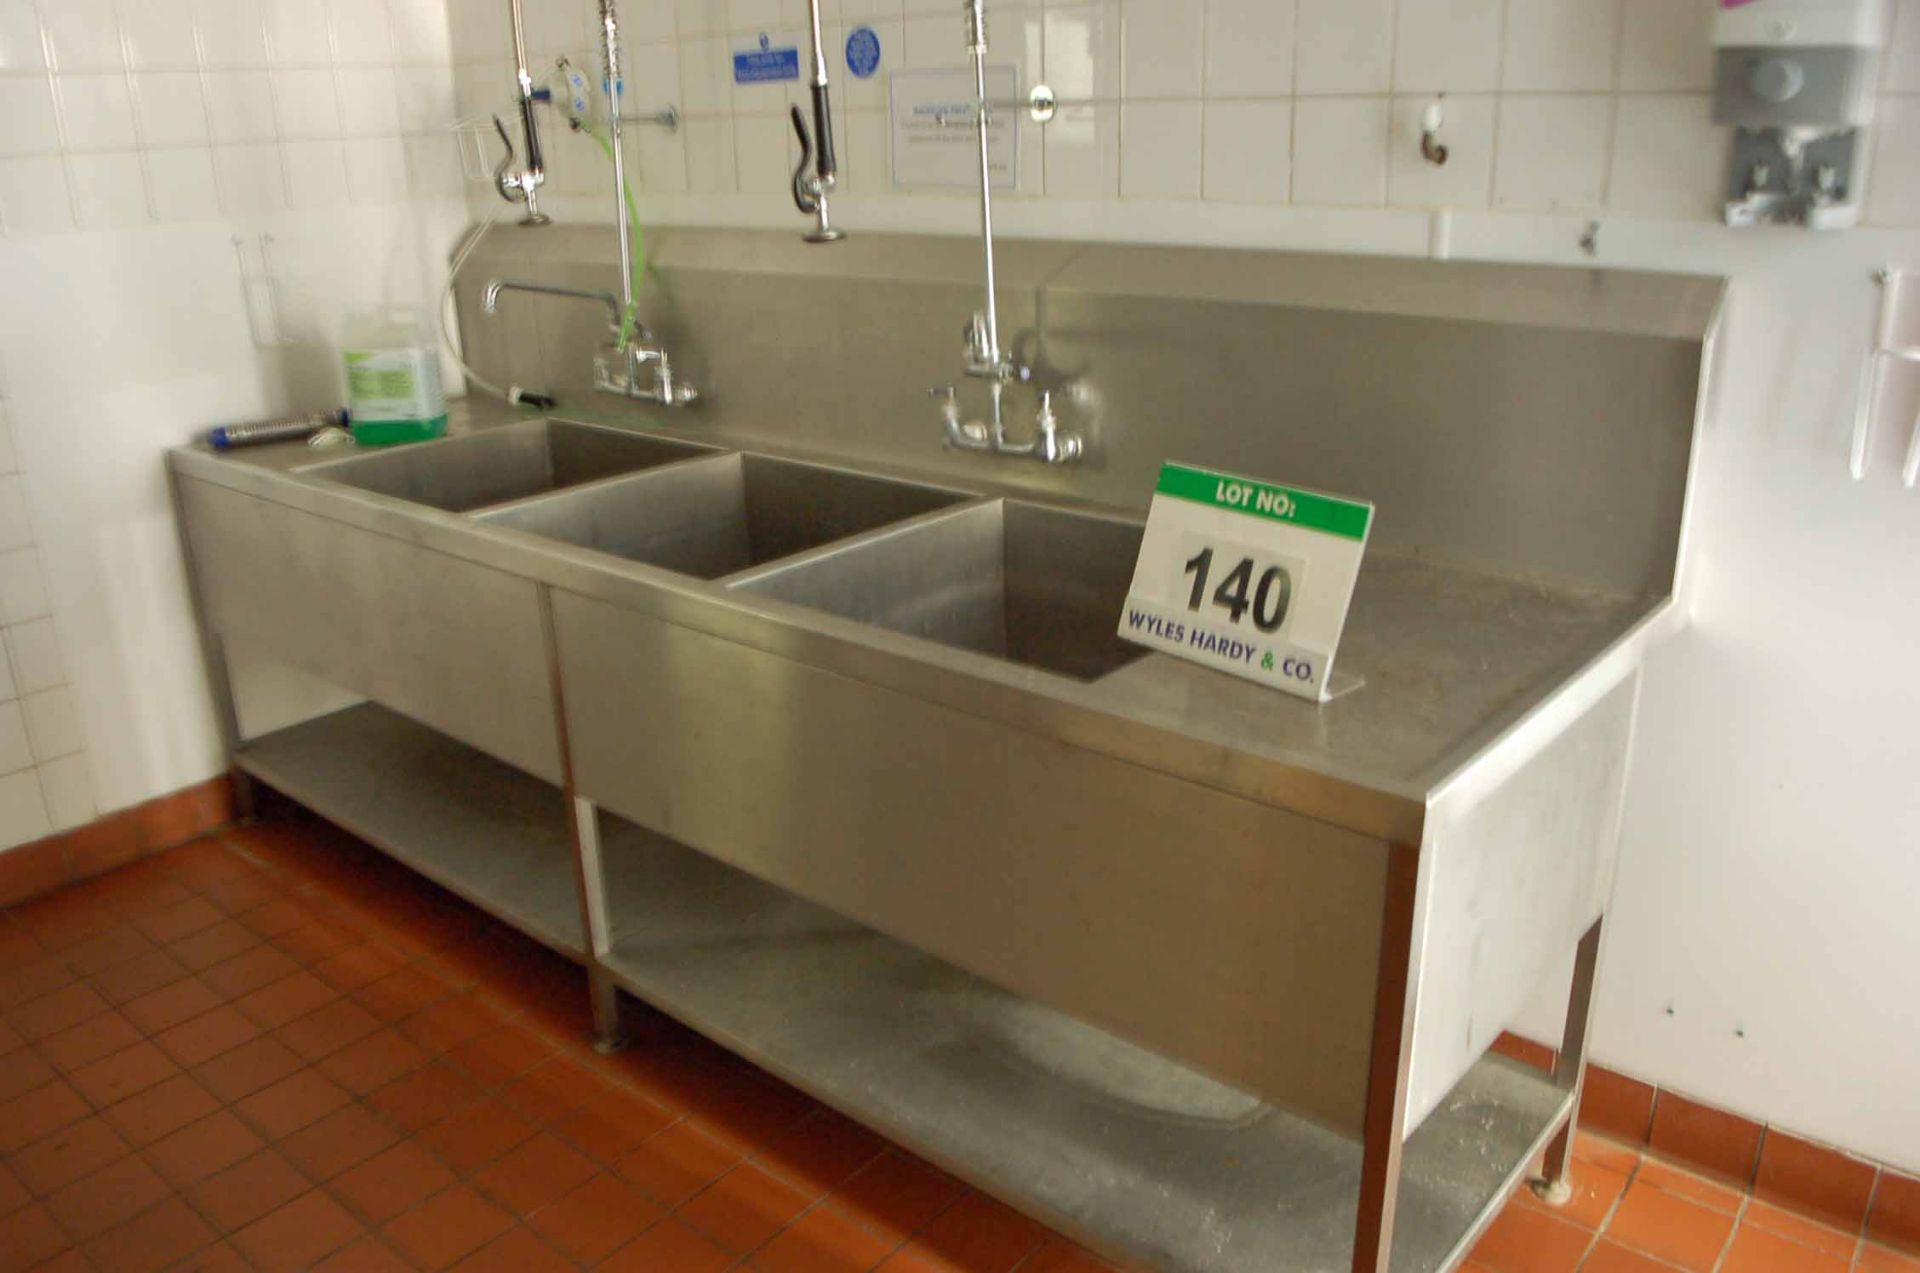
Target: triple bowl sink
[[1032, 584]]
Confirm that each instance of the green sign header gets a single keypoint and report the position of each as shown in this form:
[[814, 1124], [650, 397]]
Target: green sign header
[[1324, 513]]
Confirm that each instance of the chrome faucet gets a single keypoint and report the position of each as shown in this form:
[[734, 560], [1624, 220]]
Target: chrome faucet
[[635, 350], [985, 359], [811, 188], [522, 186]]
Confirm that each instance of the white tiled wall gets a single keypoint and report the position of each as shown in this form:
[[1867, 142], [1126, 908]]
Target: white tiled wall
[[1553, 105], [44, 782], [121, 113]]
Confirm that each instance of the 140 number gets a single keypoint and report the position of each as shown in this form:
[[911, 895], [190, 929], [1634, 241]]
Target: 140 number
[[1270, 599]]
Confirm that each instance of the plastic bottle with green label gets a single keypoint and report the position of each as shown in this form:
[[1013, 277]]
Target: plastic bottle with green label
[[393, 380]]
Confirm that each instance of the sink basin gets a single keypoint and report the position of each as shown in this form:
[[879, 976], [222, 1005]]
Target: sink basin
[[1021, 582], [465, 473], [723, 515]]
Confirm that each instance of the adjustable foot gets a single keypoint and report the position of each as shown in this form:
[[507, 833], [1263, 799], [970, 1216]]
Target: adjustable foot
[[1555, 1193]]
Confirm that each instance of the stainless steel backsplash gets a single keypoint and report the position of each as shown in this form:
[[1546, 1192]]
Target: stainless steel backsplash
[[1535, 421]]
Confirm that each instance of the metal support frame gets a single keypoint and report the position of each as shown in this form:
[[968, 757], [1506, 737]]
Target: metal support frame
[[1382, 1140], [1570, 1068], [213, 656], [588, 877]]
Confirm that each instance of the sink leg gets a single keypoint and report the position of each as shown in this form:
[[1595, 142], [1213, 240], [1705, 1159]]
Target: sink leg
[[1555, 1185], [608, 1037], [1381, 1142]]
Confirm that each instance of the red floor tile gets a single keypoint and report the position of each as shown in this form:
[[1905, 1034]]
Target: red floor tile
[[326, 1031], [367, 1255], [533, 1174], [251, 1188], [171, 1005], [90, 1041], [1609, 1256], [1596, 1190], [297, 1235], [249, 1068], [977, 1232], [896, 1194], [1524, 1240], [113, 1079], [29, 1236], [200, 1039], [299, 1100], [70, 1153], [476, 1136], [375, 1060], [345, 1138], [1670, 1227], [1686, 1184], [1716, 1142], [199, 1149], [824, 1241], [669, 1245], [107, 1198], [678, 1163], [159, 1110], [612, 1123], [744, 1208], [515, 1251], [1760, 1251], [58, 1010], [38, 1114], [154, 1240], [1878, 1259], [253, 968], [449, 1226], [1821, 1237], [596, 1219], [391, 1182]]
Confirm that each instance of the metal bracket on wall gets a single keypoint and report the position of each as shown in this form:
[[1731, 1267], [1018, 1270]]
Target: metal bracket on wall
[[1883, 354]]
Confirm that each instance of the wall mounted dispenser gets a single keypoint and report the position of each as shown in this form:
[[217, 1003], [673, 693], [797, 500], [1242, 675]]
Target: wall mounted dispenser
[[1795, 79]]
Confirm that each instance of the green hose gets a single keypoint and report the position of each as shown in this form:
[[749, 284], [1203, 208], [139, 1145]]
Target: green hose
[[628, 321]]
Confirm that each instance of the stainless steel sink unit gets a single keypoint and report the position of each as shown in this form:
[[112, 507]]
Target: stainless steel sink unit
[[722, 515], [506, 464], [833, 754]]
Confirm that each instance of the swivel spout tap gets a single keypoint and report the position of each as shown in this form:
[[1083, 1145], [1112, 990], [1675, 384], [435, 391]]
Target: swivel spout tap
[[810, 189], [522, 185], [632, 351], [490, 298], [984, 358]]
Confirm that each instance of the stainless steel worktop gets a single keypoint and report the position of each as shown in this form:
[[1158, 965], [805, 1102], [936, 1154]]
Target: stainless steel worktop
[[1450, 657]]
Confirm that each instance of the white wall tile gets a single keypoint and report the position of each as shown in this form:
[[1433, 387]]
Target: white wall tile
[[1669, 158], [250, 179], [9, 455], [1340, 151], [376, 169], [53, 726], [706, 78], [232, 33], [1343, 46], [23, 586], [1448, 46], [1902, 63], [21, 46], [421, 36], [433, 166], [1552, 152], [700, 17], [109, 190], [181, 185], [28, 122], [33, 195], [867, 166], [1082, 51], [647, 20], [657, 160], [8, 690], [96, 111], [67, 786], [316, 173], [1466, 179], [1560, 46], [1666, 47], [1248, 151], [1160, 49], [363, 32], [710, 166], [1083, 152], [240, 105], [84, 35], [16, 749], [23, 810], [159, 33], [306, 103], [1893, 186], [170, 108], [869, 93], [369, 102], [1160, 150], [37, 664], [760, 153], [298, 33], [425, 98], [16, 523], [1249, 48]]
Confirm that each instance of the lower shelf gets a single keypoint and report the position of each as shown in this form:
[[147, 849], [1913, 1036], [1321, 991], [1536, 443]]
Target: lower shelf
[[1139, 1157], [479, 828]]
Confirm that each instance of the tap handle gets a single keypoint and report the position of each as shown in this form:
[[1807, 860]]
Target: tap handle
[[503, 180], [806, 194], [824, 168]]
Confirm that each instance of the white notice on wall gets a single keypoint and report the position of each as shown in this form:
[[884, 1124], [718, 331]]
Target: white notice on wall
[[934, 142]]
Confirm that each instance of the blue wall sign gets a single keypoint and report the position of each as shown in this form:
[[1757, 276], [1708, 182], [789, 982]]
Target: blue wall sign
[[863, 52], [766, 64]]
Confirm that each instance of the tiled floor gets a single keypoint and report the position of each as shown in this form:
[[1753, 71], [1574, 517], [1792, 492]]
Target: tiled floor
[[274, 1049]]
